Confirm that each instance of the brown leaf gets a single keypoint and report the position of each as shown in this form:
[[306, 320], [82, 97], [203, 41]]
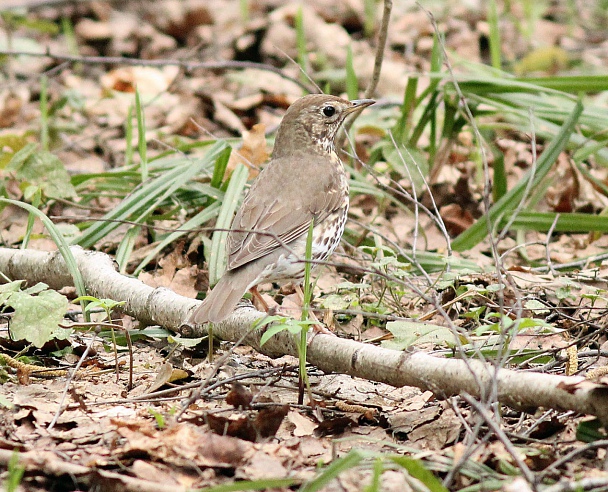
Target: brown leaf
[[456, 219], [331, 427], [181, 444], [269, 420], [265, 425], [239, 396], [253, 153]]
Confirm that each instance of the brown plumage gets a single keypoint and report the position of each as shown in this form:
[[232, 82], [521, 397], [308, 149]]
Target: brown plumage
[[305, 180]]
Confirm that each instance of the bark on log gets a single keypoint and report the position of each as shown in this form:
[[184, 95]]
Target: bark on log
[[445, 377]]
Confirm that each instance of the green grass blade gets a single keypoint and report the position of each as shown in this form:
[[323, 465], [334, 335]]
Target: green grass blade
[[125, 248], [509, 201], [141, 136], [568, 222], [416, 469], [352, 459], [499, 188], [352, 84], [494, 38], [62, 245], [573, 84], [149, 195], [36, 200], [129, 137], [196, 221], [219, 170], [301, 42], [217, 257]]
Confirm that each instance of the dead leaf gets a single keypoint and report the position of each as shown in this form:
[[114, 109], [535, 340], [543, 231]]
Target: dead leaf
[[334, 426], [303, 425], [239, 396], [253, 152]]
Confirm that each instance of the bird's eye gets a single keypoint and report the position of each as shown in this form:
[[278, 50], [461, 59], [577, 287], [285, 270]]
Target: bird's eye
[[329, 111]]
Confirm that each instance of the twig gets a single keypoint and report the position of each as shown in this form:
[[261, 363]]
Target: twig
[[69, 382], [159, 395], [386, 17], [553, 467], [599, 483], [32, 4], [548, 247], [187, 65], [489, 419], [196, 393]]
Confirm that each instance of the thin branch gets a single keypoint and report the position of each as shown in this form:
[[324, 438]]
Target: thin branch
[[186, 65], [490, 420], [386, 17], [69, 382]]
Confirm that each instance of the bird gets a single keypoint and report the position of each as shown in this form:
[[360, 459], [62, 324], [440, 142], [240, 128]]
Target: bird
[[304, 181]]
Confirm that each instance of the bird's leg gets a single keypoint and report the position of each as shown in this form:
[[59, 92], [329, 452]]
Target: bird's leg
[[318, 327], [258, 297]]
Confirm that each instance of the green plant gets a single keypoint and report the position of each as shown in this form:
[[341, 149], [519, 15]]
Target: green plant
[[298, 328], [15, 473]]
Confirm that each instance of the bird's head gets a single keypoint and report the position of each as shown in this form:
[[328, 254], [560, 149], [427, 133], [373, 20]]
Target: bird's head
[[314, 120]]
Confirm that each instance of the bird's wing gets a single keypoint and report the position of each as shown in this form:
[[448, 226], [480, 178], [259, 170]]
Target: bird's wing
[[280, 209]]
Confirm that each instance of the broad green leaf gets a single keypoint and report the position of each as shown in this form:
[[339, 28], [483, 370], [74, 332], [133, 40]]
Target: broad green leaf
[[10, 144], [408, 333], [42, 169], [36, 317]]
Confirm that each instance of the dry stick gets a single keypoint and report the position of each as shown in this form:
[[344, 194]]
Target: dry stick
[[552, 468], [566, 485], [493, 394], [188, 66], [197, 392], [28, 4], [491, 421], [548, 245], [158, 395], [529, 184], [386, 17], [582, 263], [373, 83], [69, 382], [445, 377]]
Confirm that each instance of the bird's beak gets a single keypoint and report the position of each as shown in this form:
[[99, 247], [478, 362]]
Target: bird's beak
[[358, 104]]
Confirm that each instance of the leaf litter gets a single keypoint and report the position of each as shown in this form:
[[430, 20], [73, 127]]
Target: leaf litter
[[256, 431]]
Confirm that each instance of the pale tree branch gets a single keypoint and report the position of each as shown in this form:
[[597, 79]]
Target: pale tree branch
[[444, 377]]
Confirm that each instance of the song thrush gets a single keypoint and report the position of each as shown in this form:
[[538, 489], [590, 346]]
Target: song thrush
[[304, 181]]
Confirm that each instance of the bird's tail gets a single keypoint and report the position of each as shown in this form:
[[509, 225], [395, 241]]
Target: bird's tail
[[224, 297]]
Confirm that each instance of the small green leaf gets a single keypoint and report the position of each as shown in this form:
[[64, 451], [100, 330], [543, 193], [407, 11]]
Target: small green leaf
[[590, 430], [5, 402], [417, 470], [185, 342], [272, 331], [6, 290], [336, 302]]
